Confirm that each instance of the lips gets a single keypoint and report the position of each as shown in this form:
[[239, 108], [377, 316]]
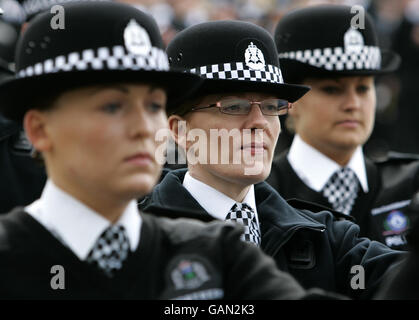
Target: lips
[[140, 158], [255, 148], [350, 123]]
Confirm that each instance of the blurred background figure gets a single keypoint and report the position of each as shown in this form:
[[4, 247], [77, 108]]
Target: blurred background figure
[[10, 21], [22, 179], [405, 41]]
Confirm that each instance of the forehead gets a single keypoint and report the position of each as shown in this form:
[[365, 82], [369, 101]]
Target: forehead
[[340, 79], [92, 91], [253, 96], [134, 87], [77, 99]]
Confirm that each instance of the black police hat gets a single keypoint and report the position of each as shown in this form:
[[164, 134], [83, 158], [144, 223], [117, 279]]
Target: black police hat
[[320, 40], [101, 42], [231, 56]]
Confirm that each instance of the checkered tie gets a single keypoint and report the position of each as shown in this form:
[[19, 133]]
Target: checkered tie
[[110, 250], [245, 215], [341, 190]]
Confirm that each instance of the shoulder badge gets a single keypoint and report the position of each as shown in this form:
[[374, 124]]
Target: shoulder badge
[[189, 274]]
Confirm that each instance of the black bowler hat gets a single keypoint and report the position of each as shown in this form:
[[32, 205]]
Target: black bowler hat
[[102, 42], [33, 7], [231, 56], [330, 40]]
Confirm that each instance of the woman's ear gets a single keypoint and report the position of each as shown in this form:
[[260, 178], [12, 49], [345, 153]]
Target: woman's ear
[[292, 118], [293, 110], [35, 129], [179, 129]]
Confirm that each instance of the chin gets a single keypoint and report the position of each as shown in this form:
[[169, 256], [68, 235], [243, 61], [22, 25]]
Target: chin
[[350, 143], [251, 174], [140, 186]]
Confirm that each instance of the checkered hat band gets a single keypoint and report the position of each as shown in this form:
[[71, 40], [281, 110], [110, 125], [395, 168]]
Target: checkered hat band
[[238, 71], [35, 6], [337, 59], [104, 58]]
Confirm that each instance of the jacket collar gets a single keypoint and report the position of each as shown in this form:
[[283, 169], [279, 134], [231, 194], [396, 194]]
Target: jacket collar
[[170, 193], [272, 208]]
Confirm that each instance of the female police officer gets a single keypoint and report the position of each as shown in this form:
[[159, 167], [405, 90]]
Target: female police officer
[[325, 163], [92, 97]]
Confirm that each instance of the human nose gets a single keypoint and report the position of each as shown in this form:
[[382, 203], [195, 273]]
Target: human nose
[[352, 100], [140, 122], [256, 119]]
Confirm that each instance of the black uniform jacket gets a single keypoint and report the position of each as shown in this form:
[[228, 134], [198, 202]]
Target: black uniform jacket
[[175, 259], [22, 179], [403, 282], [318, 249], [382, 213]]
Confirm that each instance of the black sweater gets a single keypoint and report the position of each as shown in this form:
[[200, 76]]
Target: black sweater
[[175, 258]]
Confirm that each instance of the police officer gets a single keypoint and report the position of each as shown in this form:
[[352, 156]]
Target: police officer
[[325, 163], [23, 178], [99, 91], [242, 97]]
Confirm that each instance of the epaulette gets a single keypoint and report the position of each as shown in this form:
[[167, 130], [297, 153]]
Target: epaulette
[[393, 156], [175, 213], [315, 207]]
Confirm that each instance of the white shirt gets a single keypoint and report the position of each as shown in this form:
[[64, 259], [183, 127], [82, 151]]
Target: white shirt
[[315, 169], [76, 225], [214, 202]]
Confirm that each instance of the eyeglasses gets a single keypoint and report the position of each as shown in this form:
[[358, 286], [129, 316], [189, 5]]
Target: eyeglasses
[[269, 107]]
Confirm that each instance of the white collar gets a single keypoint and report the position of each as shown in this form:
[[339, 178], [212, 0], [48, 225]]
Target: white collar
[[315, 169], [76, 225], [214, 202]]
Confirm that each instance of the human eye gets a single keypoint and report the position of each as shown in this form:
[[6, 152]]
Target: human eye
[[331, 89], [111, 107], [275, 107], [234, 106], [363, 88], [155, 107], [271, 106]]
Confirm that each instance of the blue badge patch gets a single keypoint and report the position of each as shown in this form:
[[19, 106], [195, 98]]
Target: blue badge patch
[[189, 274], [396, 221]]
